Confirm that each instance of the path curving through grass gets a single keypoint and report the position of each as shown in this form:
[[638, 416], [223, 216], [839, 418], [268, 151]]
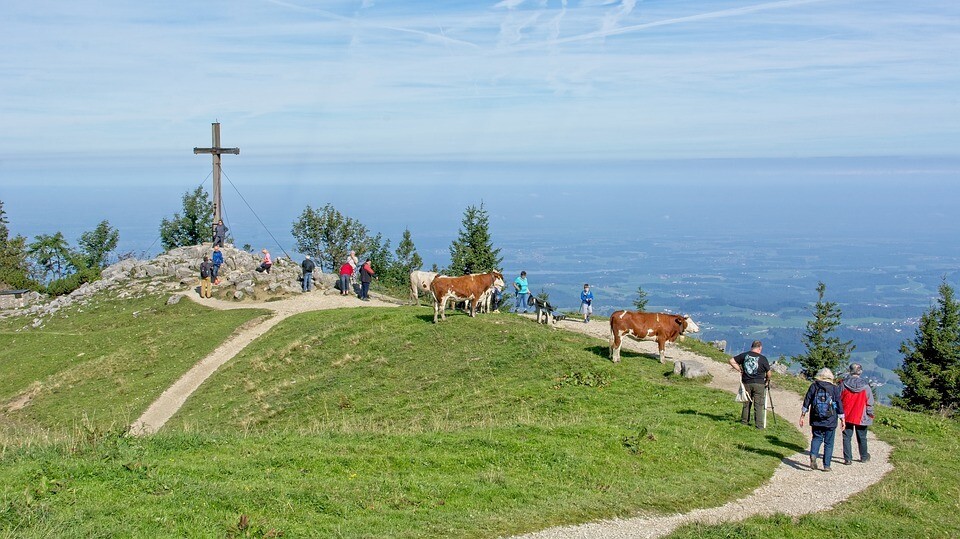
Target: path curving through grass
[[793, 489]]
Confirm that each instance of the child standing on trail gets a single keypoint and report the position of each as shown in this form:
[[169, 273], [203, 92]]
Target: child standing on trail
[[586, 303]]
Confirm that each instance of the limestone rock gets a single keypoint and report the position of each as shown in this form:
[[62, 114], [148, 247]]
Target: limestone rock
[[690, 368]]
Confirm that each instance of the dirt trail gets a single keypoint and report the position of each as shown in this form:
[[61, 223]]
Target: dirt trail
[[793, 489], [162, 409]]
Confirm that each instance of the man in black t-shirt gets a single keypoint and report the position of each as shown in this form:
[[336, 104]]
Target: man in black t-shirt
[[754, 373]]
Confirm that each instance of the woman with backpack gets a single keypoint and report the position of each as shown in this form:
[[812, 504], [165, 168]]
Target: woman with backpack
[[823, 402]]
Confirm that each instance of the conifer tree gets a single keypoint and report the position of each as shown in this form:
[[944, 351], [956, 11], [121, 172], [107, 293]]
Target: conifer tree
[[407, 258], [641, 302], [823, 349], [472, 251], [931, 362], [14, 271]]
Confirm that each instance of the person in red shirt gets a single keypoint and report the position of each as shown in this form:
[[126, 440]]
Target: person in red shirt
[[346, 271], [857, 400]]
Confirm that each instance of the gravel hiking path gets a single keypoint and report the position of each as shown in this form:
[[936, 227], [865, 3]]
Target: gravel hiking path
[[793, 490], [162, 409]]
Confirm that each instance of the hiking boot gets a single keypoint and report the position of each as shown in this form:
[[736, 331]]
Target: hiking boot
[[847, 462], [865, 459], [827, 469], [813, 462]]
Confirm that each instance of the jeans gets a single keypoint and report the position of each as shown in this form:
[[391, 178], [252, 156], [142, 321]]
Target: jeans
[[861, 431], [344, 284], [307, 280], [757, 392], [522, 301], [216, 272], [364, 290], [823, 435]]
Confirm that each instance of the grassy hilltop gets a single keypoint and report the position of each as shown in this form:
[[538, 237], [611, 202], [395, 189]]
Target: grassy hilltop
[[377, 423]]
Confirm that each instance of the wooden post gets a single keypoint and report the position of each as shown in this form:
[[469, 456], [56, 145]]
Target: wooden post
[[216, 150]]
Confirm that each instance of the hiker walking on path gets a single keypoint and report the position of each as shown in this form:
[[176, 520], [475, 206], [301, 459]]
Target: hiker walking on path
[[265, 266], [754, 374], [219, 233], [522, 290], [823, 402], [346, 272], [857, 400], [586, 303], [217, 261], [307, 266], [366, 275], [206, 269]]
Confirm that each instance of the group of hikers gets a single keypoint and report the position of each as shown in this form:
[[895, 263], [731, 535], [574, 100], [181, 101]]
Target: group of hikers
[[521, 289], [847, 404]]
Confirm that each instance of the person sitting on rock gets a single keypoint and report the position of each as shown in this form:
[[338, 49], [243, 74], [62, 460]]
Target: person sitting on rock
[[265, 265]]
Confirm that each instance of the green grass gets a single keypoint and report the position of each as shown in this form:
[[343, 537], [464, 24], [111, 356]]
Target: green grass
[[919, 498], [376, 422], [102, 364]]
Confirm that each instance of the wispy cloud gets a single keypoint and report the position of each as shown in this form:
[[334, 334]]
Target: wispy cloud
[[514, 78]]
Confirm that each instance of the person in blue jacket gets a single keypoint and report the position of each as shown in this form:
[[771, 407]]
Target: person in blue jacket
[[826, 413], [217, 261], [586, 303]]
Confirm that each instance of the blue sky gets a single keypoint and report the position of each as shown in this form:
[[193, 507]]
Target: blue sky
[[516, 79]]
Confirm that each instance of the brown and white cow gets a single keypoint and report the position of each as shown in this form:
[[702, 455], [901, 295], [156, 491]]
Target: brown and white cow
[[467, 287], [420, 282], [660, 327]]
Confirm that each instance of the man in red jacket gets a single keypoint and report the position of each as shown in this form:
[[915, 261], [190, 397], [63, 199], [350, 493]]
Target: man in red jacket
[[857, 400]]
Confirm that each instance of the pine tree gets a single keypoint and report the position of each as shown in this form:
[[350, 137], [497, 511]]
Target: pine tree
[[14, 270], [931, 362], [472, 251], [823, 350], [407, 259], [641, 302]]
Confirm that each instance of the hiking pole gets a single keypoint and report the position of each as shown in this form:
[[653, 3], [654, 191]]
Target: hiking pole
[[772, 409]]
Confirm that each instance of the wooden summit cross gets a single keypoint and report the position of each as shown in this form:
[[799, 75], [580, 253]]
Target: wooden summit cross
[[216, 150]]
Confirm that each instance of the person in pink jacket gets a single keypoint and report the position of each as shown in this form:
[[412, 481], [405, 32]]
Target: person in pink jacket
[[857, 399]]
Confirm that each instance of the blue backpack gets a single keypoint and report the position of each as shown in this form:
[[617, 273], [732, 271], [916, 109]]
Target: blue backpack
[[824, 407]]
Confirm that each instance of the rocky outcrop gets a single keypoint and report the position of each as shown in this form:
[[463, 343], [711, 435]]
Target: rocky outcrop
[[178, 271]]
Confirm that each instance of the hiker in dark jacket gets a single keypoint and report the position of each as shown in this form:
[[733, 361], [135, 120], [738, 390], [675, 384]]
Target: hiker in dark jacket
[[366, 275], [219, 233], [307, 266], [857, 400], [823, 402], [206, 270]]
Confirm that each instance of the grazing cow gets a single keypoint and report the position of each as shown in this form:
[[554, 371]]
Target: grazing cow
[[466, 287], [420, 282], [661, 327]]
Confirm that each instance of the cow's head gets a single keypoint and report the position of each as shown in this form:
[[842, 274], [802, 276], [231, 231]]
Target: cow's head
[[498, 280], [689, 326]]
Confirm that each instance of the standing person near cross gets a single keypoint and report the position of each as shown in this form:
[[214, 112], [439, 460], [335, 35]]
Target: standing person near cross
[[754, 372]]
